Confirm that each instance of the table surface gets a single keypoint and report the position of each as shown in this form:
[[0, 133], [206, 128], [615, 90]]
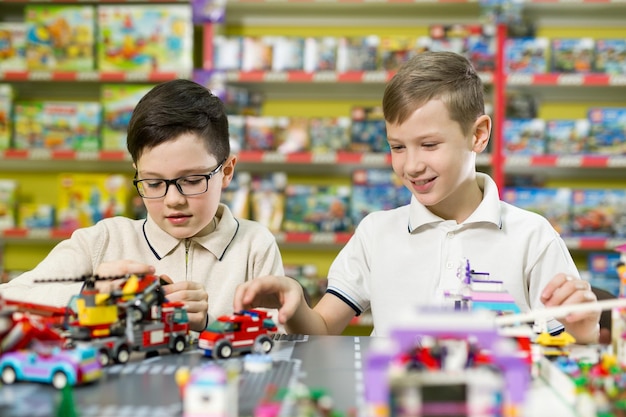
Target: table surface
[[146, 387]]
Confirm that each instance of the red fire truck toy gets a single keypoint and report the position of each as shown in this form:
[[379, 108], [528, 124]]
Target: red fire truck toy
[[244, 331]]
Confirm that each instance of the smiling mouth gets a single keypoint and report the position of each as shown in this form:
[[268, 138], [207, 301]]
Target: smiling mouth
[[423, 182]]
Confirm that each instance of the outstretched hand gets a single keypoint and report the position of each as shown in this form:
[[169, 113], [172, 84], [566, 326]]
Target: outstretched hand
[[565, 289], [282, 293]]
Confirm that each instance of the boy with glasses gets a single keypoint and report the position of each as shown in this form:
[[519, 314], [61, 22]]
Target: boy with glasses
[[407, 257], [179, 143]]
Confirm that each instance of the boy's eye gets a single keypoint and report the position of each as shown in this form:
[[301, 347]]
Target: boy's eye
[[192, 180], [153, 184]]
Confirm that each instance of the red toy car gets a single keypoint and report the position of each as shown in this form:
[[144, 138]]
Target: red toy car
[[241, 332]]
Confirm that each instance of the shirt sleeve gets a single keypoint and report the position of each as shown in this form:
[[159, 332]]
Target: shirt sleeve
[[70, 259]]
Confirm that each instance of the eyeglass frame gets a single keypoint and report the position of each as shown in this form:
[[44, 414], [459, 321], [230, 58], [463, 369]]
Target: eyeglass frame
[[174, 181]]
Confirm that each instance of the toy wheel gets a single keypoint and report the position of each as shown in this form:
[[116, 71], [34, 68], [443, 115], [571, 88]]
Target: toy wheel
[[59, 380], [263, 344], [8, 375], [123, 354], [136, 314], [104, 358], [179, 345], [223, 350]]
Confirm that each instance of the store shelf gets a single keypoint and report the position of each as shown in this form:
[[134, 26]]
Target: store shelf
[[91, 76], [293, 239]]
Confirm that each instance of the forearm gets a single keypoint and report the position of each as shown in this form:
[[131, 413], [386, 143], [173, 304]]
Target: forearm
[[306, 320]]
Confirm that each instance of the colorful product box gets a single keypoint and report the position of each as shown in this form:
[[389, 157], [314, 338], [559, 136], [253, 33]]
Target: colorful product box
[[329, 134], [552, 203], [602, 268], [260, 133], [28, 125], [567, 137], [268, 199], [85, 199], [368, 130], [6, 115], [287, 53], [526, 55], [145, 38], [524, 137], [227, 53], [12, 46], [320, 53], [573, 55], [292, 134], [8, 203], [36, 216], [118, 103], [57, 125], [395, 51], [599, 212], [608, 131], [72, 125], [257, 53], [610, 56], [357, 53], [374, 190], [237, 195], [60, 37], [310, 208]]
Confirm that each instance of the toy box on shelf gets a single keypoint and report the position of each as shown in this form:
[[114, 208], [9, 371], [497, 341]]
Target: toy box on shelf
[[12, 46], [8, 203], [526, 55], [118, 103], [376, 189], [310, 208], [567, 137], [84, 199], [36, 216], [573, 55], [268, 199], [60, 37], [237, 195], [6, 115], [608, 130], [145, 38], [599, 212], [552, 203], [602, 271], [320, 53], [329, 134], [292, 134], [357, 53], [524, 137], [57, 125], [368, 131], [610, 56]]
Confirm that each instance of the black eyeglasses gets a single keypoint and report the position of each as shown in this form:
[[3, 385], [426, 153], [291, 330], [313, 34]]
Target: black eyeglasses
[[187, 185]]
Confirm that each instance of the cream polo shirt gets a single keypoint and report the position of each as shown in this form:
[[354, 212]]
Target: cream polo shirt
[[407, 257], [236, 251]]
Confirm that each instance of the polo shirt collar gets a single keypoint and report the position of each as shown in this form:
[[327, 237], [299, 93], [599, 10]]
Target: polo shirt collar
[[217, 242], [487, 211]]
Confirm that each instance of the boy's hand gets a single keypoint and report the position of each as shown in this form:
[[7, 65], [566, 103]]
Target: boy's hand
[[282, 293], [564, 289], [195, 298]]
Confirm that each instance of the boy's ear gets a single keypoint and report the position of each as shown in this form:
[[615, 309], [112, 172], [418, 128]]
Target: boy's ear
[[482, 131], [229, 170]]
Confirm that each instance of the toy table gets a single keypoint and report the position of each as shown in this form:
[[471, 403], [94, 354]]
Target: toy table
[[146, 387]]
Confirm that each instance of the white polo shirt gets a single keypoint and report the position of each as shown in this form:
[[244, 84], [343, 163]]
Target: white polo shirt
[[401, 259]]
